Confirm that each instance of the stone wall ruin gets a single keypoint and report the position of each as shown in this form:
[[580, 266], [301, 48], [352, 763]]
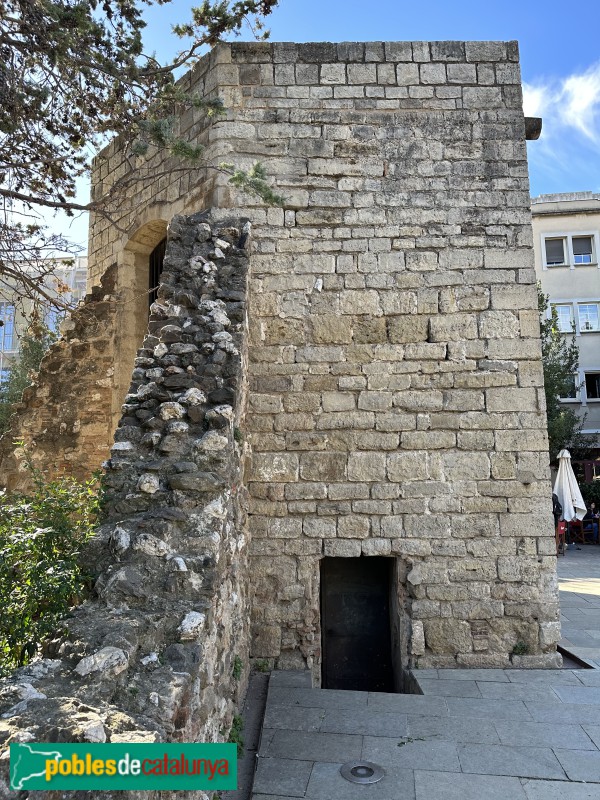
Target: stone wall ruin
[[65, 417], [161, 652]]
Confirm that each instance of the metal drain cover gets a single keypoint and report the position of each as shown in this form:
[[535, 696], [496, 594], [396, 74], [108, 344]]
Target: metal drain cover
[[362, 772]]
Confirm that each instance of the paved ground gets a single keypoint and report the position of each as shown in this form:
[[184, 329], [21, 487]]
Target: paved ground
[[473, 735], [579, 583]]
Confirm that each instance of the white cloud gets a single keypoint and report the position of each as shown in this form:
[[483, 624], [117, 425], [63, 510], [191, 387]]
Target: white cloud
[[582, 102], [535, 99], [567, 156], [571, 102]]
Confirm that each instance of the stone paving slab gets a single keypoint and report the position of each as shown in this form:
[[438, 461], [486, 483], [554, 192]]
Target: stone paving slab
[[588, 677], [563, 713], [552, 790], [593, 731], [304, 746], [576, 638], [296, 718], [583, 695], [450, 688], [393, 753], [437, 786], [318, 698], [436, 747], [408, 704], [522, 762], [367, 722], [553, 677], [281, 776], [490, 709], [497, 675], [580, 765], [537, 691], [453, 729], [523, 734], [326, 783], [579, 585], [300, 679], [587, 655], [269, 797]]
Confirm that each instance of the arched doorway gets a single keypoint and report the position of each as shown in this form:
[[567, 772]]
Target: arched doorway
[[140, 265], [155, 267]]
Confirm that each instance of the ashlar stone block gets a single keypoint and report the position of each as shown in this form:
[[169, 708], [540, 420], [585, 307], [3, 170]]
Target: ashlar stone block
[[277, 468], [453, 327], [367, 466], [353, 527], [333, 73], [447, 636]]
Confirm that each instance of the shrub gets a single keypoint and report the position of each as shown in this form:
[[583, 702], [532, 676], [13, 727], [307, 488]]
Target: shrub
[[238, 667], [235, 734], [41, 536]]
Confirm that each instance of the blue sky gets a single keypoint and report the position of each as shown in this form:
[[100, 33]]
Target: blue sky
[[560, 60]]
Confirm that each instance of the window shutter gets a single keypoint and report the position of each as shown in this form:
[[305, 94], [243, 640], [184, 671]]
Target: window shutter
[[555, 253], [582, 246]]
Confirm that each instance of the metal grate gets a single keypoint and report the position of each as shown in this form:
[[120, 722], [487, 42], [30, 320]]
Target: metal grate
[[157, 257]]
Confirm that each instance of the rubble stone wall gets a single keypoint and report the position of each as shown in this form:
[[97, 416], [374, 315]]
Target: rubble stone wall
[[161, 653]]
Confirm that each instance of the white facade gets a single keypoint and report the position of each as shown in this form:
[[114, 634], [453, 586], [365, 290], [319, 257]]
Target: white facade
[[68, 281], [566, 239]]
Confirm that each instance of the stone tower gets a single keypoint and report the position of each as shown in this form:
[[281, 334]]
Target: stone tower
[[394, 386]]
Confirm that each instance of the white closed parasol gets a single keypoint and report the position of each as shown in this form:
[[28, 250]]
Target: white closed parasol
[[567, 489]]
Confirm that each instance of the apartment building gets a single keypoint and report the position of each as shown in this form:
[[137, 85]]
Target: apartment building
[[15, 311], [566, 238]]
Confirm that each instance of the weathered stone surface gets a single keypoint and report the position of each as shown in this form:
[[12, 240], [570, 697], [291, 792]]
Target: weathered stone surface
[[65, 418], [393, 360], [108, 661], [198, 482], [148, 483], [447, 636], [171, 553], [192, 625]]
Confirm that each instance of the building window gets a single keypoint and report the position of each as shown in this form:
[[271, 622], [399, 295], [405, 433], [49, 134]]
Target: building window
[[592, 385], [572, 390], [564, 316], [555, 252], [569, 250], [583, 250], [4, 373], [7, 331], [589, 318]]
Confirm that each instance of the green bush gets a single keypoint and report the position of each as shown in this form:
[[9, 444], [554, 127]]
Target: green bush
[[41, 536], [235, 734]]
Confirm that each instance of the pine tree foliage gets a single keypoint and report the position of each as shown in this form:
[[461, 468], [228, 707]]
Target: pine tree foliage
[[73, 74]]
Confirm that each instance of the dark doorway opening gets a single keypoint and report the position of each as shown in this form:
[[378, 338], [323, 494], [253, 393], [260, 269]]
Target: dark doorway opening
[[355, 624], [157, 257]]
